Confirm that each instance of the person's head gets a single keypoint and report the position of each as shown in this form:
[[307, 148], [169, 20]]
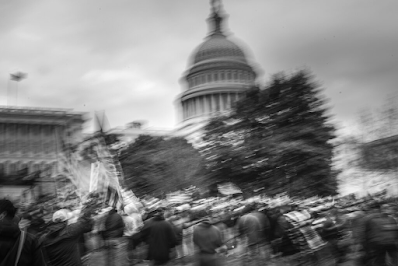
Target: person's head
[[159, 212], [7, 209], [61, 216], [285, 209]]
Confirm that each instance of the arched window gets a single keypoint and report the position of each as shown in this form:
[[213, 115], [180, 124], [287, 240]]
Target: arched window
[[210, 77], [235, 76], [216, 76], [229, 76], [222, 76]]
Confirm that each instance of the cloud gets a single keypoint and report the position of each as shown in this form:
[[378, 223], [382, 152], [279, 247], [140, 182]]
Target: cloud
[[127, 57]]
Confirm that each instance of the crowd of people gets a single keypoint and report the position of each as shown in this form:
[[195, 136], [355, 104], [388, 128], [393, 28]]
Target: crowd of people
[[253, 234]]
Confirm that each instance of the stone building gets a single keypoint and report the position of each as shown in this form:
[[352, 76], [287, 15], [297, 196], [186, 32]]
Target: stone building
[[31, 139], [218, 74]]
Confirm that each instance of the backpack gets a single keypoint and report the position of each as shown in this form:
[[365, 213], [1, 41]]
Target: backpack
[[382, 230], [12, 258]]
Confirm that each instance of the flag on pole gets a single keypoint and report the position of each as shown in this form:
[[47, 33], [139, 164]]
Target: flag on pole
[[107, 174], [18, 76], [71, 166]]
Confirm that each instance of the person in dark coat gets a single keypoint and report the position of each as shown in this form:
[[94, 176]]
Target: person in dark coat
[[208, 239], [254, 226], [113, 236], [160, 237], [31, 254], [380, 236], [61, 241]]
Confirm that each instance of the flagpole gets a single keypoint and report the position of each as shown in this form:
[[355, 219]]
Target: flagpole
[[8, 92], [17, 78], [16, 97]]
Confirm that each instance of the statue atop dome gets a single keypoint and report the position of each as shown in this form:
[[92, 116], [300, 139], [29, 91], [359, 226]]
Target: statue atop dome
[[216, 18], [216, 5]]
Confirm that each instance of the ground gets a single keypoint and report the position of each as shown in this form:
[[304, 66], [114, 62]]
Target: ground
[[98, 259]]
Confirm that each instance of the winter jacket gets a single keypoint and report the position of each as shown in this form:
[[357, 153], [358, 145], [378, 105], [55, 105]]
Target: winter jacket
[[61, 242], [255, 226], [207, 237], [161, 238], [114, 225], [380, 230], [31, 254]]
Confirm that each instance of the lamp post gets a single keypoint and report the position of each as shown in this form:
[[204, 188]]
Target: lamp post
[[15, 77]]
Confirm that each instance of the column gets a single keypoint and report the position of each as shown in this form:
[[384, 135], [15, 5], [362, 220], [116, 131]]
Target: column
[[182, 111], [222, 108], [41, 138], [17, 145], [2, 135], [202, 105], [193, 107], [229, 101], [213, 103], [33, 132], [189, 108], [197, 100], [205, 105]]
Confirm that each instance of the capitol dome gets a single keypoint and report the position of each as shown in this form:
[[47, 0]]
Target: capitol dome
[[218, 74], [218, 46]]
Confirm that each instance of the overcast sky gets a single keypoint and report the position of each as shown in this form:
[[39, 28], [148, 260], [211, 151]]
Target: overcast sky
[[127, 56]]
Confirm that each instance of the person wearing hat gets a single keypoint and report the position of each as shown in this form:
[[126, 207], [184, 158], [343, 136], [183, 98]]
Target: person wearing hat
[[209, 241], [113, 237], [61, 241], [11, 238], [160, 237]]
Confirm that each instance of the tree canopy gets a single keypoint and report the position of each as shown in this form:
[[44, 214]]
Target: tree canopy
[[278, 138], [156, 165]]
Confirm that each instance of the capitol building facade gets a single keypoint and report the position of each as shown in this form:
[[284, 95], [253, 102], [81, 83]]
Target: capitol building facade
[[219, 73]]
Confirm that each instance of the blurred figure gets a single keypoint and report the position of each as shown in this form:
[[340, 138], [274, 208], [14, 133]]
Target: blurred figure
[[254, 227], [133, 224], [379, 237], [61, 241], [330, 232], [208, 239], [10, 237], [160, 237], [169, 217], [114, 243], [132, 220], [33, 224]]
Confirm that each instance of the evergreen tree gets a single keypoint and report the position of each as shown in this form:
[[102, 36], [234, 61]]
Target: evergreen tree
[[155, 165], [278, 138]]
